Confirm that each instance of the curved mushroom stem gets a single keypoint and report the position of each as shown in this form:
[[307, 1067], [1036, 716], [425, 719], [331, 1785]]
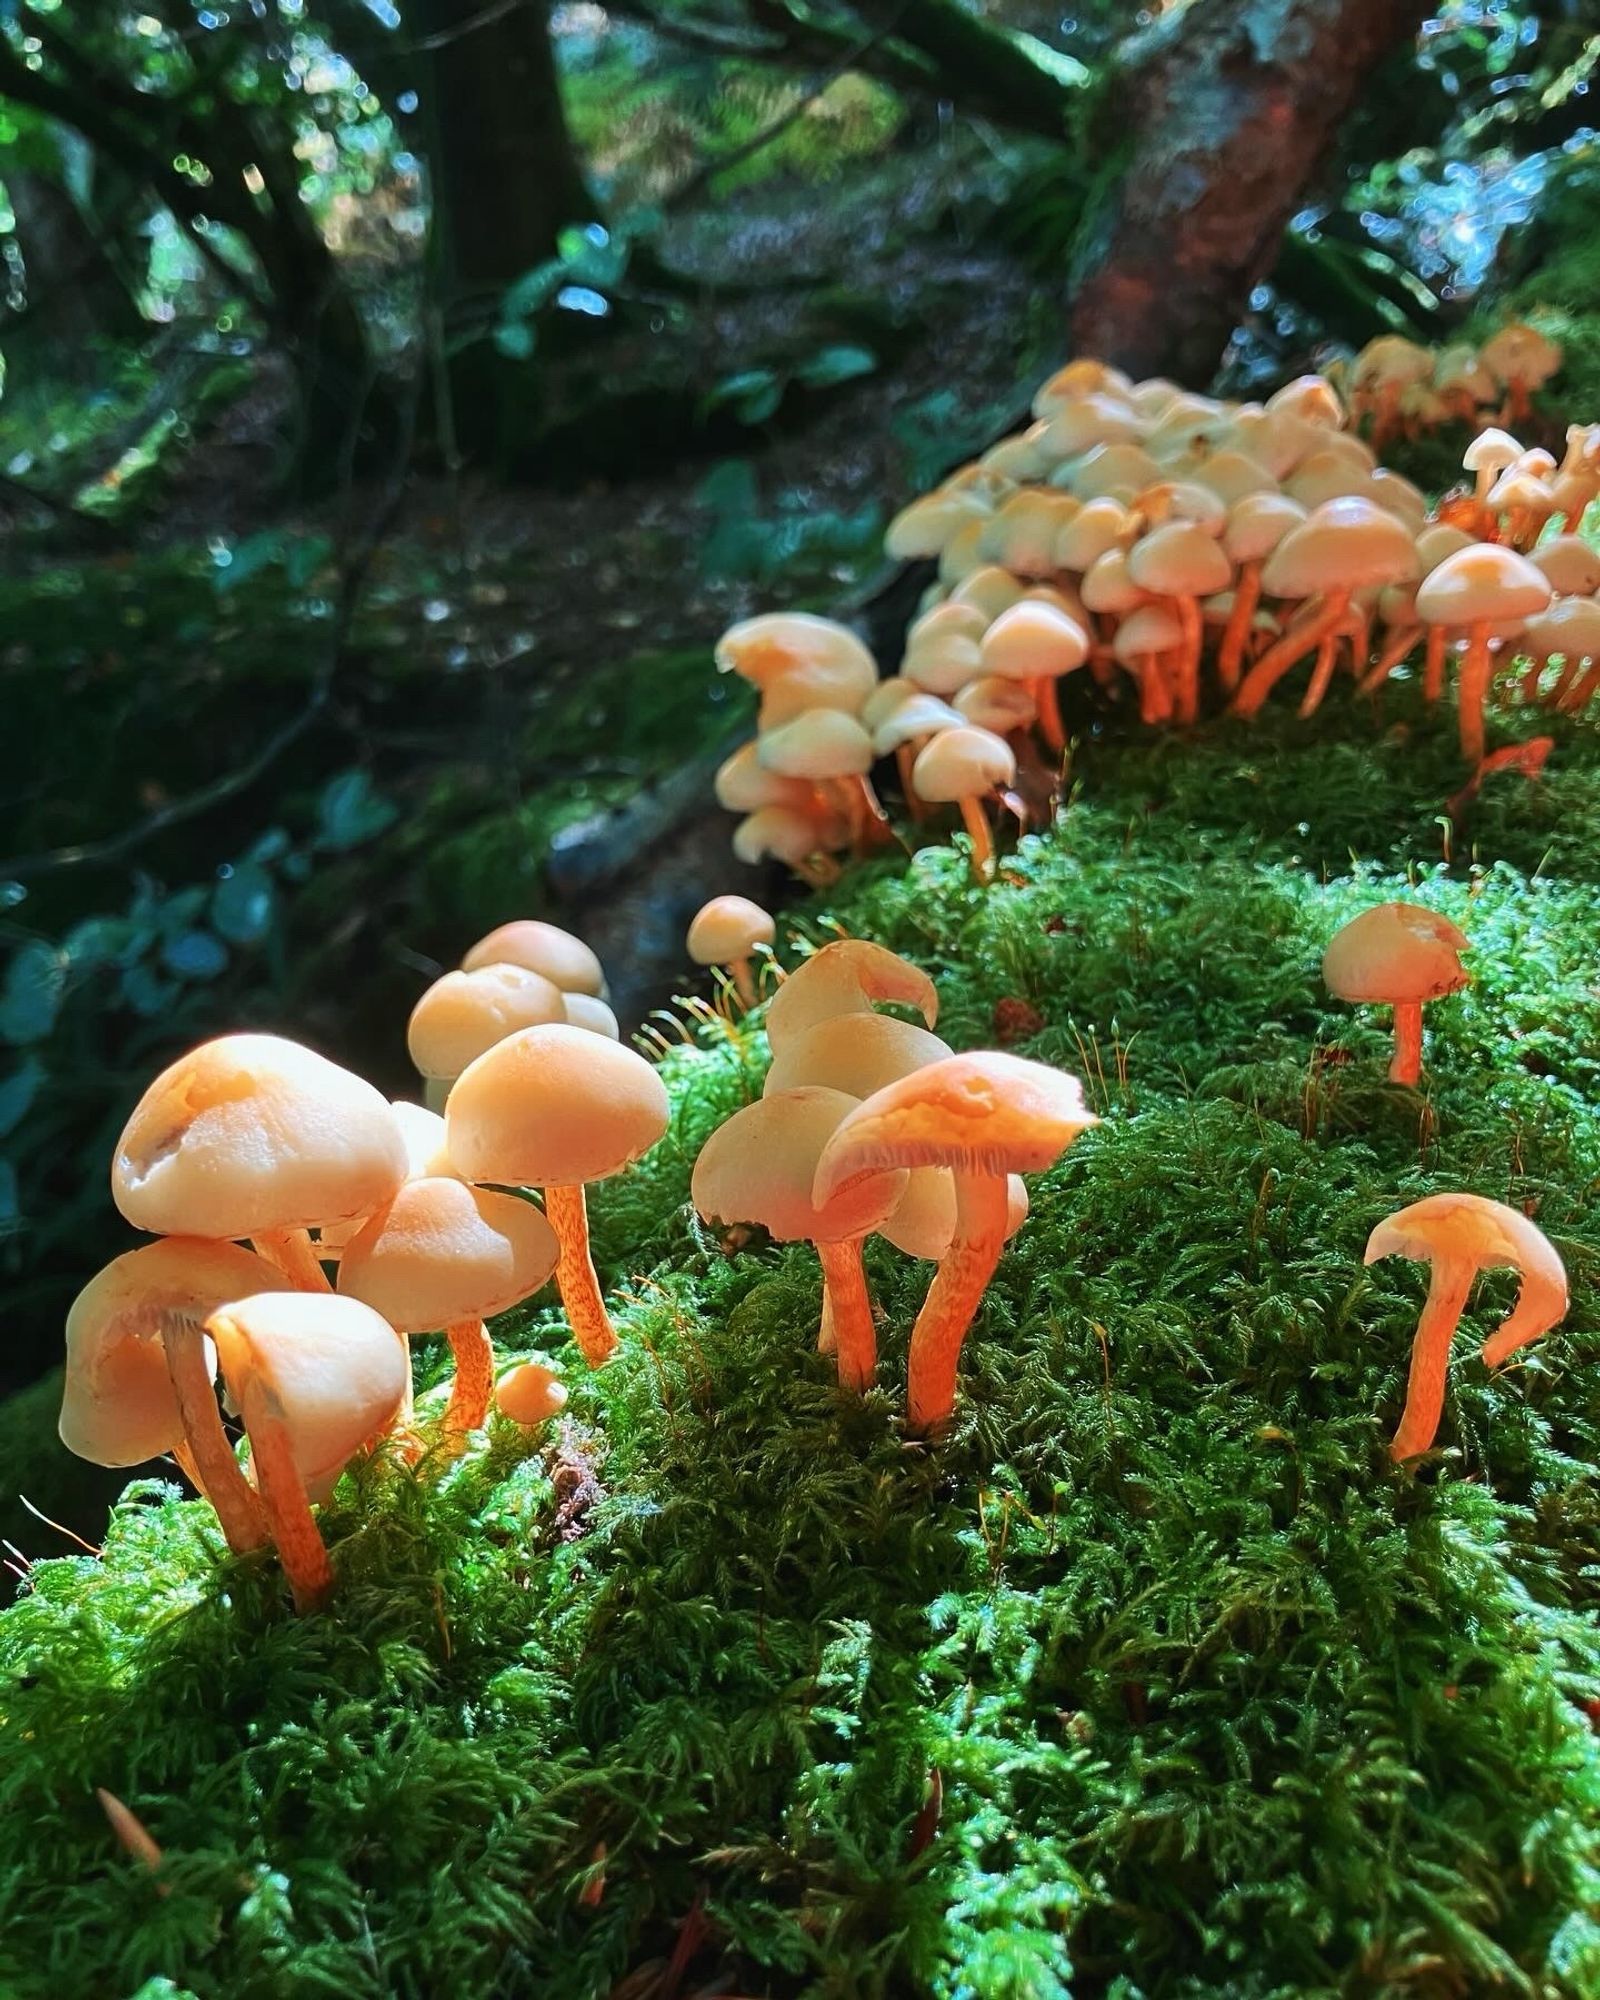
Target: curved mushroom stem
[[1407, 1064], [1279, 657], [1400, 643], [904, 757], [1230, 654], [958, 1286], [1155, 698], [568, 1215], [212, 1465], [292, 1526], [1477, 664], [290, 1250], [846, 1305], [1539, 1305], [972, 816], [1433, 663], [1321, 675], [1186, 661], [1047, 699], [869, 823], [473, 1387], [744, 982], [1430, 1358]]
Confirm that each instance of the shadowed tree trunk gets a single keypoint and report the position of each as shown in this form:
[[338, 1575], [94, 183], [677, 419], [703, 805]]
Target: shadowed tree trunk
[[75, 291], [1230, 107]]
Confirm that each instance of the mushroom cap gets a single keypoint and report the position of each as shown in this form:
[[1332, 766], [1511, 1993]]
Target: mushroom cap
[[813, 687], [942, 649], [1233, 475], [765, 648], [1492, 450], [998, 705], [1570, 627], [1342, 544], [465, 1013], [1439, 540], [1108, 586], [1395, 952], [554, 1107], [1393, 358], [922, 529], [1173, 502], [759, 1167], [1487, 582], [1117, 471], [1076, 426], [962, 764], [118, 1406], [442, 1252], [1471, 1227], [908, 721], [1180, 559], [990, 590], [743, 784], [1082, 377], [890, 695], [426, 1157], [1520, 353], [566, 961], [855, 1053], [1097, 526], [786, 833], [822, 743], [249, 1134], [334, 1370], [594, 1016], [1257, 523], [924, 1225], [727, 928], [1571, 565], [1151, 628], [1312, 398], [984, 1113], [1033, 641], [530, 1394], [846, 977]]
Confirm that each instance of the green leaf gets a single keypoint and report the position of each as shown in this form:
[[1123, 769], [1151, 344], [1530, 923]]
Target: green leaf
[[195, 955], [831, 365], [243, 904], [515, 339], [18, 1092], [31, 993], [350, 812]]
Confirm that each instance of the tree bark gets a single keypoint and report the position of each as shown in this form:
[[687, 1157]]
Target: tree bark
[[1229, 106], [75, 292]]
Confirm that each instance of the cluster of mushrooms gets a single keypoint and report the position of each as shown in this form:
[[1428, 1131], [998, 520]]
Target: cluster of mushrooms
[[1397, 388], [1183, 554]]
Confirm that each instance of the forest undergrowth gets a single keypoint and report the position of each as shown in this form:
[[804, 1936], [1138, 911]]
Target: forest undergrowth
[[1155, 1680]]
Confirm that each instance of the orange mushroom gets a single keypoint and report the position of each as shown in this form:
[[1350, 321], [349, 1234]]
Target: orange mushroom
[[1397, 955], [726, 931]]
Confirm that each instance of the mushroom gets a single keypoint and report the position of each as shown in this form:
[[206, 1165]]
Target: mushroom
[[1480, 588], [906, 727], [139, 1374], [253, 1136], [423, 1132], [315, 1379], [744, 785], [960, 767], [985, 1116], [1145, 640], [1572, 566], [446, 1257], [825, 744], [555, 1108], [763, 650], [943, 649], [1036, 644], [530, 1394], [1182, 562], [465, 1013], [1521, 360], [803, 840], [846, 977], [1460, 1235], [566, 961], [586, 1011], [1256, 525], [759, 1167], [725, 932], [924, 1225], [855, 1053], [1397, 955]]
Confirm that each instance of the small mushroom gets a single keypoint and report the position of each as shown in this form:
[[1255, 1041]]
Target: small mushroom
[[1037, 644], [961, 767], [465, 1013], [444, 1257], [1181, 562], [1460, 1235], [315, 1379], [566, 961], [593, 1015], [530, 1394], [726, 932], [1397, 955], [254, 1136], [829, 747], [846, 977], [855, 1053], [1482, 590], [985, 1116], [555, 1108], [759, 1167], [763, 650]]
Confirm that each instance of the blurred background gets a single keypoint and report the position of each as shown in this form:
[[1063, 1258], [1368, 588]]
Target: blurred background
[[396, 401]]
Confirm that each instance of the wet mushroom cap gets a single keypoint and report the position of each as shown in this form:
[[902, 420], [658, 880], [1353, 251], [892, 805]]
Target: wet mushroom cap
[[566, 961], [1484, 583], [985, 1111], [118, 1406], [251, 1134], [465, 1013], [961, 764], [1395, 952], [1472, 1227], [846, 977], [554, 1107], [442, 1252], [729, 927], [855, 1053], [759, 1167]]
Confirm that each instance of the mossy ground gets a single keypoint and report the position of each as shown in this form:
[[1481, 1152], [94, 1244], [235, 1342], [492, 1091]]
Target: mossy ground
[[1221, 1702]]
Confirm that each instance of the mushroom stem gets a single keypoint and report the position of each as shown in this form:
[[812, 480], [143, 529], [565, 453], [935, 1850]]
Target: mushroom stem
[[1407, 1064], [293, 1527], [216, 1471], [1186, 661], [972, 816], [1279, 657], [1048, 702], [849, 1312], [568, 1215], [744, 982], [1433, 663], [958, 1285], [189, 1466], [1230, 654], [904, 757], [290, 1250], [1321, 674], [1477, 664], [1155, 698], [827, 1339], [473, 1387], [1430, 1358], [1403, 639]]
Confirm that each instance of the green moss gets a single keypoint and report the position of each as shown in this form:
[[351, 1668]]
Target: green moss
[[1222, 1703]]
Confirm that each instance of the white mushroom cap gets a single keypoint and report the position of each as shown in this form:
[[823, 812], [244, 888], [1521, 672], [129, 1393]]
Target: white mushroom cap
[[1395, 953], [962, 764], [465, 1013], [823, 743], [1034, 641], [759, 1167], [443, 1252], [566, 961], [855, 1053]]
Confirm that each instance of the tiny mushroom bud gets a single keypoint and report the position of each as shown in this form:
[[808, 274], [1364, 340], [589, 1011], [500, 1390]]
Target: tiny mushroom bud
[[961, 766], [554, 1108], [759, 1167], [726, 931], [566, 961], [530, 1394], [316, 1379], [465, 1013], [253, 1136], [1460, 1235], [1397, 955], [985, 1116], [846, 977], [444, 1257]]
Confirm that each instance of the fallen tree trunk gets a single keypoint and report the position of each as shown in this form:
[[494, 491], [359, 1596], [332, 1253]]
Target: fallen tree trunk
[[1228, 108]]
